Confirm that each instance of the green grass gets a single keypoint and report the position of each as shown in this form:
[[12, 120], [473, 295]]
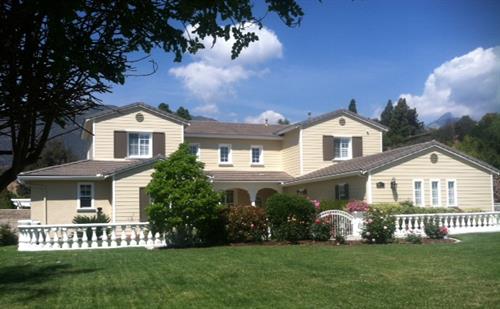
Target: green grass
[[369, 276]]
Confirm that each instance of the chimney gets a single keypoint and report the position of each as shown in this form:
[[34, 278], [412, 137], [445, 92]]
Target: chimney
[[266, 122]]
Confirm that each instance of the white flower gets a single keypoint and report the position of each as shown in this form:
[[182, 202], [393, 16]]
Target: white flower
[[373, 239], [385, 227], [367, 233]]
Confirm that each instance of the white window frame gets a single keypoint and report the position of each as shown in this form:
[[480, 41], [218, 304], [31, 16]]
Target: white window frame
[[455, 195], [92, 195], [198, 153], [261, 155], [349, 149], [150, 150], [229, 155], [422, 195], [439, 192]]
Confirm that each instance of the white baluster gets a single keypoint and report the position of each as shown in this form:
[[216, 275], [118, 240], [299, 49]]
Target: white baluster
[[113, 237], [123, 237], [85, 239], [133, 236], [65, 239], [47, 239], [94, 243], [150, 241], [157, 239], [56, 243], [142, 240], [39, 238], [23, 244]]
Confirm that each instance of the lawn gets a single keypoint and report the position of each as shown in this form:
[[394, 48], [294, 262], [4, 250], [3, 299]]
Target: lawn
[[368, 276]]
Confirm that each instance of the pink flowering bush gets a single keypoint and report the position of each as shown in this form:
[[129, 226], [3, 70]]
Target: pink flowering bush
[[434, 231], [246, 224], [320, 230], [355, 205], [379, 227]]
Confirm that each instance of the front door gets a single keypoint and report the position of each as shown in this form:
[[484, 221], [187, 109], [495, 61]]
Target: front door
[[144, 202]]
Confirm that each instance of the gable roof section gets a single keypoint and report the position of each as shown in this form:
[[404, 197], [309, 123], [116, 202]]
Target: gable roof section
[[363, 165], [249, 176], [200, 128], [327, 116], [86, 169]]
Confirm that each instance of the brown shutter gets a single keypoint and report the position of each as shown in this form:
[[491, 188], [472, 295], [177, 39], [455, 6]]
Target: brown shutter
[[357, 146], [337, 192], [158, 143], [346, 190], [328, 148], [120, 144]]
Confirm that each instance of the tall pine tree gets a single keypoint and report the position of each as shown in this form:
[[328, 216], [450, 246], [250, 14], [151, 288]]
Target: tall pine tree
[[402, 122], [385, 117], [183, 113], [352, 106], [164, 107]]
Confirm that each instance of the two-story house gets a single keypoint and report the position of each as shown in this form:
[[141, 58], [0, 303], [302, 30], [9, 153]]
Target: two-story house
[[337, 155]]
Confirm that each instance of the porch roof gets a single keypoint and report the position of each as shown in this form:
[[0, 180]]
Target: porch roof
[[249, 176]]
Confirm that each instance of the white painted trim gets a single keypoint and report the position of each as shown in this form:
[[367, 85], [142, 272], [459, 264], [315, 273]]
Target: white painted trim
[[369, 197], [349, 148], [150, 150], [198, 153], [261, 156], [439, 192], [93, 140], [492, 194], [113, 202], [422, 192], [301, 153], [27, 178], [231, 136], [229, 155], [92, 189], [455, 193], [381, 142]]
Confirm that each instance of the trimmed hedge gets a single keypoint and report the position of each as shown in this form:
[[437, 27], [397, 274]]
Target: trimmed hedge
[[406, 209], [333, 204]]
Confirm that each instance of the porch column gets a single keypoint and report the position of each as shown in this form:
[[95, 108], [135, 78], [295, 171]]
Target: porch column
[[252, 192]]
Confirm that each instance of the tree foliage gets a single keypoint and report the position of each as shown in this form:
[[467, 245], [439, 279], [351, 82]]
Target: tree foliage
[[402, 121], [184, 199], [183, 113], [352, 106], [283, 121], [164, 107], [56, 56]]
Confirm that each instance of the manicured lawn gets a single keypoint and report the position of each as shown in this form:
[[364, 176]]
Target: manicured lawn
[[377, 276]]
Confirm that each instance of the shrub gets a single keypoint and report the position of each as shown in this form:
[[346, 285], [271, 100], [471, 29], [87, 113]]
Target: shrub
[[434, 231], [246, 224], [354, 205], [333, 204], [290, 217], [320, 230], [405, 208], [7, 236], [100, 217], [340, 240], [5, 202], [414, 238], [379, 226]]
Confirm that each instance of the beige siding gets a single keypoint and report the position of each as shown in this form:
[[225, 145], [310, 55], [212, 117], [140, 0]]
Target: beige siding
[[127, 187], [291, 153], [209, 154], [312, 140], [104, 132], [61, 197], [473, 185], [325, 190]]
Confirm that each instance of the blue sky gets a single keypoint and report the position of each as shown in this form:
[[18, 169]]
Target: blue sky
[[441, 55]]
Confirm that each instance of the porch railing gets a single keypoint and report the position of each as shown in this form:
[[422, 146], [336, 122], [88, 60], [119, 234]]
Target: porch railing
[[457, 223], [87, 236]]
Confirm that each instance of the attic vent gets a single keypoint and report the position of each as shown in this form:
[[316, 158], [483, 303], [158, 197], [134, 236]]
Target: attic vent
[[342, 121], [139, 117], [434, 158]]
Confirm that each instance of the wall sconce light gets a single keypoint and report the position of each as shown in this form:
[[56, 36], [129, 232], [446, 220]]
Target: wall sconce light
[[394, 184]]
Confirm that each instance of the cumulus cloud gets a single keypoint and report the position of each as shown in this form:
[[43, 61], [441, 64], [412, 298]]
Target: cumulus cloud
[[465, 85], [270, 115], [212, 74], [207, 109]]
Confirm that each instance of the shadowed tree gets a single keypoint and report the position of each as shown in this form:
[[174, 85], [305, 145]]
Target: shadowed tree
[[352, 106], [56, 56], [283, 121], [183, 113], [164, 107]]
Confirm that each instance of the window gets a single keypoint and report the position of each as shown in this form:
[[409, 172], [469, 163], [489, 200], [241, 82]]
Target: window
[[343, 149], [229, 197], [195, 149], [224, 154], [452, 193], [435, 193], [418, 190], [342, 191], [256, 155], [139, 145], [85, 195]]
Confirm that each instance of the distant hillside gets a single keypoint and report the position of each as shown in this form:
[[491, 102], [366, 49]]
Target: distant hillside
[[203, 118], [442, 121]]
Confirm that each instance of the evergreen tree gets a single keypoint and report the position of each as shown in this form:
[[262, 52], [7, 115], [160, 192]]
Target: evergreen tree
[[283, 121], [385, 117], [164, 107], [183, 113], [352, 106], [403, 123]]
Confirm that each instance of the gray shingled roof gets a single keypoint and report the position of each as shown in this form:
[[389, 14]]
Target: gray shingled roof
[[200, 127], [365, 164], [87, 168], [236, 176]]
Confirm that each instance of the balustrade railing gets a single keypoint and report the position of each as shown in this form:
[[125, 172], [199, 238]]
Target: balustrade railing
[[457, 223], [87, 236]]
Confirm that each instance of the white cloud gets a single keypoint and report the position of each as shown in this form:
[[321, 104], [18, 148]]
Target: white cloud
[[465, 85], [207, 109], [212, 75], [270, 115]]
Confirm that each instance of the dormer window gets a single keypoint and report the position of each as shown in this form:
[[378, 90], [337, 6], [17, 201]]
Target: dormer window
[[343, 148], [139, 144]]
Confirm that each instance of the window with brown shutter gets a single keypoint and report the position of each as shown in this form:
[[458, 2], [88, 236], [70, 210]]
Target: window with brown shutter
[[328, 148], [120, 144], [357, 146], [158, 143]]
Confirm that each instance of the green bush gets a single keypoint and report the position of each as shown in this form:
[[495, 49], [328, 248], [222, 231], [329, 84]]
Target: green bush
[[5, 202], [290, 217], [7, 236], [100, 217], [246, 224], [414, 238], [320, 230], [333, 204], [340, 240], [434, 231], [406, 208], [379, 226]]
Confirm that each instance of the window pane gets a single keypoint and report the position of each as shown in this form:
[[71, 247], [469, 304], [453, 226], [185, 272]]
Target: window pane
[[451, 193], [224, 154], [85, 196], [255, 155], [193, 149], [342, 147], [418, 193], [435, 193], [337, 147], [133, 144], [139, 144]]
